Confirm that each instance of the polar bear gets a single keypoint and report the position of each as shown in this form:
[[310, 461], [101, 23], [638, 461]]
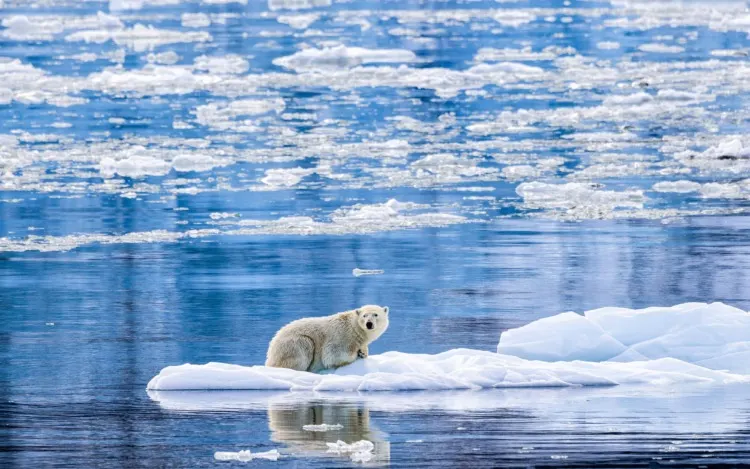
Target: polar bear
[[315, 344]]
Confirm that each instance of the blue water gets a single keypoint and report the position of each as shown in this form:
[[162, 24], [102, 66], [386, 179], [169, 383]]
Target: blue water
[[91, 308]]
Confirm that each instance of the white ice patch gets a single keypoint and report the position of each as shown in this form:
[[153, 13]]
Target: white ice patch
[[661, 48], [225, 115], [298, 21], [358, 219], [285, 177], [229, 64], [118, 5], [576, 200], [360, 451], [608, 45], [342, 57], [246, 455], [140, 37], [323, 427], [274, 5], [452, 370], [711, 336], [195, 20], [357, 272]]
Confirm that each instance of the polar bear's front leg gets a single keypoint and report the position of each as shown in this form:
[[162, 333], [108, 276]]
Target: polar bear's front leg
[[335, 356], [363, 352]]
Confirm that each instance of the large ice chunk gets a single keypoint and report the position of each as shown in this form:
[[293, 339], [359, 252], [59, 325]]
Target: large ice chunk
[[574, 338], [715, 336], [455, 369]]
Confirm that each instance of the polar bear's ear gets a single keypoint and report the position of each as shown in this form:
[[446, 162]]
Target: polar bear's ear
[[358, 311], [385, 309]]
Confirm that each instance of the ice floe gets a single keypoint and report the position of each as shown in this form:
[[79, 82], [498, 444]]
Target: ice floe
[[357, 219], [246, 455], [140, 37], [342, 57], [688, 343], [296, 4], [359, 451], [576, 200], [357, 272], [323, 427]]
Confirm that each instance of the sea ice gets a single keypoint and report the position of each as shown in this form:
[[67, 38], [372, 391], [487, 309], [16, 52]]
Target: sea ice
[[342, 57], [324, 427], [360, 272], [688, 343], [274, 5], [246, 455], [713, 336], [360, 451]]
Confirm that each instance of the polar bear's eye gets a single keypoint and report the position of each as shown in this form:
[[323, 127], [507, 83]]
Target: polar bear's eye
[[375, 315]]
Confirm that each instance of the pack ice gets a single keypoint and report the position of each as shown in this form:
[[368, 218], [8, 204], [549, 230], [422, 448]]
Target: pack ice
[[688, 343]]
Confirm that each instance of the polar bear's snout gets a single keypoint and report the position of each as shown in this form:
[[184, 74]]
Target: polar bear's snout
[[373, 318]]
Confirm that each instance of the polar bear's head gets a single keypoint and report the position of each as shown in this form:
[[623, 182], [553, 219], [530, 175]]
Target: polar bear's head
[[373, 319]]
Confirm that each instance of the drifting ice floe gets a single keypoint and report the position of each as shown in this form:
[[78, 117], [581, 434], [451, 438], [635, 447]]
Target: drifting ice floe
[[246, 455], [360, 272], [360, 451], [342, 57], [689, 343], [324, 427]]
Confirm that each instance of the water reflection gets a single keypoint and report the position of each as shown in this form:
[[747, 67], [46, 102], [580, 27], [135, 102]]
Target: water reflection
[[513, 426], [286, 422]]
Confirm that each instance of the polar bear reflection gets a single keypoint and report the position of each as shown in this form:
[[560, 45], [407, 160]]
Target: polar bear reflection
[[286, 420]]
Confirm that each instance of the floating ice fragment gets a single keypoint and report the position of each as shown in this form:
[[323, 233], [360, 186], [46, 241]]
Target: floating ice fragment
[[195, 20], [608, 45], [246, 455], [166, 58], [298, 21], [360, 272], [117, 5], [296, 4], [223, 215], [677, 186], [285, 177], [342, 57], [324, 427], [578, 200], [140, 37], [223, 2], [661, 48], [134, 166], [360, 451], [226, 64]]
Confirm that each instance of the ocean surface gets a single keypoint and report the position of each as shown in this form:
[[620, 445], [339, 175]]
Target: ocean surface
[[180, 178]]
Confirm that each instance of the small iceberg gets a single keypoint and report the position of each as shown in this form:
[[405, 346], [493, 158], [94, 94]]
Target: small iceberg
[[688, 343]]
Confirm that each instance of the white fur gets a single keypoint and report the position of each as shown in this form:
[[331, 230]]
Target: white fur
[[315, 344]]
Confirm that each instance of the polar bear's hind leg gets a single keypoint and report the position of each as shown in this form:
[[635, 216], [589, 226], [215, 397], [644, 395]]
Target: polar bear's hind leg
[[296, 353]]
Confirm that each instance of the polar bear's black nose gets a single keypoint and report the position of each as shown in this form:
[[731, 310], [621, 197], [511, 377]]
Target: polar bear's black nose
[[369, 325]]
